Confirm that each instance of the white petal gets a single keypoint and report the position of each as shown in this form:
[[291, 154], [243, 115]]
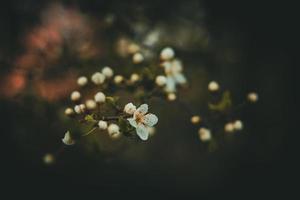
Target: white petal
[[132, 122], [170, 85], [150, 119], [180, 78], [142, 132], [143, 109]]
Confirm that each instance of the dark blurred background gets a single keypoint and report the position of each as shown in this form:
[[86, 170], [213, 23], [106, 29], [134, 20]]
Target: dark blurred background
[[261, 161]]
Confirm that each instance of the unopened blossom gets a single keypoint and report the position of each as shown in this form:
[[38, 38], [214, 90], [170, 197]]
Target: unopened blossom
[[107, 72], [99, 97], [171, 97], [118, 79], [133, 48], [141, 120], [213, 86], [102, 125], [229, 127], [238, 125], [195, 119], [174, 76], [151, 130], [167, 53], [90, 104], [69, 111], [82, 81], [252, 97], [160, 80], [114, 131], [48, 159], [75, 96], [204, 134], [98, 78], [79, 109], [68, 140], [130, 108], [137, 58], [134, 77]]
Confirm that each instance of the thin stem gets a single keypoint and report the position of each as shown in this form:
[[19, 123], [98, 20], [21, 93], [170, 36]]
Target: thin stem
[[89, 132]]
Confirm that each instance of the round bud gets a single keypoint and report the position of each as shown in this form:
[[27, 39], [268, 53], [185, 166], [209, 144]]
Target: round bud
[[229, 127], [151, 130], [172, 97], [213, 86], [90, 104], [107, 72], [102, 125], [69, 111], [252, 97], [134, 77], [99, 97], [204, 134], [160, 80], [98, 78], [48, 159], [129, 108], [238, 125], [82, 81], [137, 58], [118, 79], [114, 131], [133, 48], [79, 109], [75, 96], [167, 53], [195, 119]]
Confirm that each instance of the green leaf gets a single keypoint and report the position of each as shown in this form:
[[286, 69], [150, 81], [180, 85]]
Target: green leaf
[[89, 118], [224, 104]]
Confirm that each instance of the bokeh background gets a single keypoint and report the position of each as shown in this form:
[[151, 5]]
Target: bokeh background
[[243, 45]]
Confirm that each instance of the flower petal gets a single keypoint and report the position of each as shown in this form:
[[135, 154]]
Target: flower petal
[[132, 122], [143, 109], [150, 119], [180, 78], [170, 85], [142, 132]]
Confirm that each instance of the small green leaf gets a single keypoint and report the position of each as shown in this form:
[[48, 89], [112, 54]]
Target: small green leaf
[[89, 118]]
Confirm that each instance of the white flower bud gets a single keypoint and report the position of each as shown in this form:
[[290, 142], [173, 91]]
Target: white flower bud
[[107, 72], [90, 104], [160, 80], [195, 119], [133, 48], [69, 111], [99, 97], [79, 109], [252, 97], [134, 77], [82, 81], [68, 139], [213, 86], [229, 127], [102, 125], [167, 53], [98, 78], [137, 58], [238, 125], [48, 159], [129, 108], [204, 134], [75, 96], [114, 131], [172, 96], [118, 79]]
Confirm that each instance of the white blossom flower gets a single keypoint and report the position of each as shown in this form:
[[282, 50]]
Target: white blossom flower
[[129, 108], [98, 78], [102, 125], [114, 131], [174, 76], [69, 111], [79, 109], [238, 125], [252, 97], [75, 96], [229, 127], [134, 77], [213, 86], [99, 97], [82, 81], [118, 79], [137, 58], [160, 80], [68, 139], [141, 120], [204, 134], [167, 53], [90, 104], [107, 72]]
